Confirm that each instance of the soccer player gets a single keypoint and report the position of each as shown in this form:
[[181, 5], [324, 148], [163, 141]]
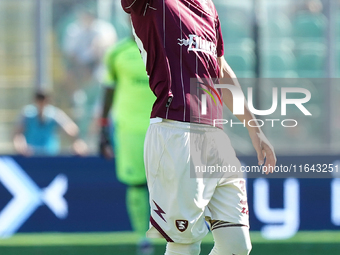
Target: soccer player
[[180, 40], [37, 130], [127, 92]]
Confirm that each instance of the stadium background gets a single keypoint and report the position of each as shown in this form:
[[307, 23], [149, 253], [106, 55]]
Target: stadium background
[[270, 40]]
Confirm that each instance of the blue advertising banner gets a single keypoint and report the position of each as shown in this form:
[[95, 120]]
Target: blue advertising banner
[[72, 194], [93, 198]]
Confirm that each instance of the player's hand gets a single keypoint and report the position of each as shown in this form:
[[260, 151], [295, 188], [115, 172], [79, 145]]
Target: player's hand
[[21, 146], [264, 150], [80, 147], [26, 151], [105, 146]]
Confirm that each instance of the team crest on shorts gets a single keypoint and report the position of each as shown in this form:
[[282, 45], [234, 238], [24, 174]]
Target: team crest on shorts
[[182, 225]]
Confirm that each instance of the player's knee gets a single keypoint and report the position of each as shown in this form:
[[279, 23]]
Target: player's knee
[[231, 248], [231, 240], [244, 248], [183, 249]]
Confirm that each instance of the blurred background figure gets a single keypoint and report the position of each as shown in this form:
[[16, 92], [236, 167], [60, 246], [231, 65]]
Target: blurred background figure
[[310, 31], [85, 42], [127, 87], [293, 41], [37, 130]]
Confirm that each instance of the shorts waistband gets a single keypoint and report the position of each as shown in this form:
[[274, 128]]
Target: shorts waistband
[[182, 124]]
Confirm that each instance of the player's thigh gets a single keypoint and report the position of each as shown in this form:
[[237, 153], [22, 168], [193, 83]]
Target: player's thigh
[[129, 157], [229, 202], [177, 200]]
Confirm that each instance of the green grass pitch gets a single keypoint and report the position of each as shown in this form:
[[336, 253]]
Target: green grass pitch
[[122, 243]]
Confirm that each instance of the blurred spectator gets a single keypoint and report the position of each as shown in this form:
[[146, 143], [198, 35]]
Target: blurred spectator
[[310, 22], [314, 6], [85, 43], [37, 130], [309, 29]]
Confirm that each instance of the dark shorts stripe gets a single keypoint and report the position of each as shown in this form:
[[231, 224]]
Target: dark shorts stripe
[[160, 230], [228, 225]]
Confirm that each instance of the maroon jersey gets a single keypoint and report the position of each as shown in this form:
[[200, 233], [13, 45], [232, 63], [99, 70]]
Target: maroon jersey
[[179, 40]]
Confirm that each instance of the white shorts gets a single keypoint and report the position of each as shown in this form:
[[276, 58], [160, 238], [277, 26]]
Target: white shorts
[[180, 200]]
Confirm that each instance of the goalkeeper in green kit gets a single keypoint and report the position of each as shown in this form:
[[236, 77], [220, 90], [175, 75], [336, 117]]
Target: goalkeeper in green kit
[[127, 92]]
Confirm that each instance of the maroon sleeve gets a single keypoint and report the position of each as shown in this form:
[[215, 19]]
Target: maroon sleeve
[[134, 6], [220, 43]]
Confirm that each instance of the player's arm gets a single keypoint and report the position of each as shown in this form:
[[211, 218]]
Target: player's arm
[[105, 145], [107, 101], [261, 144], [72, 130]]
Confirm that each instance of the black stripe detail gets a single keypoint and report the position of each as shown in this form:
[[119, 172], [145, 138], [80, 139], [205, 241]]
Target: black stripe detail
[[160, 230], [219, 222], [228, 225]]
